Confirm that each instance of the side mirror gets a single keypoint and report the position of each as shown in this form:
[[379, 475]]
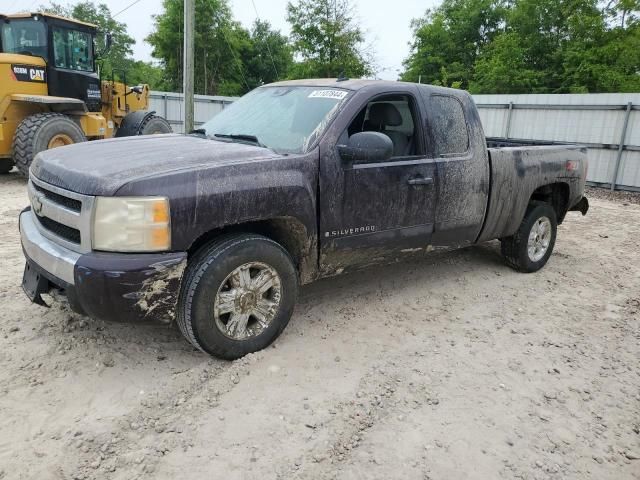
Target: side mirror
[[108, 42], [365, 147]]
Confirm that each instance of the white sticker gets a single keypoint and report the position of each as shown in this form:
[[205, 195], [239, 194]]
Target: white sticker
[[334, 94]]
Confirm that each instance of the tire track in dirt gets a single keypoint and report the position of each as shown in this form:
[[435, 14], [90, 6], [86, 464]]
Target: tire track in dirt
[[164, 421]]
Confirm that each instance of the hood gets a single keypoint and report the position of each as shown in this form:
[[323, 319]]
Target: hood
[[101, 167]]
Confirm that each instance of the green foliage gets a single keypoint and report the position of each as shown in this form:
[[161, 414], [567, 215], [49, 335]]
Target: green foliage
[[447, 40], [216, 46], [117, 60], [529, 46], [503, 68], [327, 40], [269, 56], [229, 60]]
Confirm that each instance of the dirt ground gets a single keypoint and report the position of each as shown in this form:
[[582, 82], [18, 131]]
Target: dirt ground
[[454, 367]]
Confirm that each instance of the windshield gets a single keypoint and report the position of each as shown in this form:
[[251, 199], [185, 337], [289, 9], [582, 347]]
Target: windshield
[[286, 119], [72, 49], [28, 37]]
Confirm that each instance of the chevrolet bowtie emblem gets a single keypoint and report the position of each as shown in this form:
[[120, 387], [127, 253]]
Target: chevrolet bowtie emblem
[[36, 204]]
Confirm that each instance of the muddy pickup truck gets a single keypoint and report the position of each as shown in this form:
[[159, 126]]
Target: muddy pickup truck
[[295, 181]]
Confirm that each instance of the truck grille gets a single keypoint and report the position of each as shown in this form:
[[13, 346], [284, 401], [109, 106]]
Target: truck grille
[[61, 215], [70, 203], [63, 231]]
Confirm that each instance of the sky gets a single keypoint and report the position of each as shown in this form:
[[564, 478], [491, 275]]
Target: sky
[[386, 23]]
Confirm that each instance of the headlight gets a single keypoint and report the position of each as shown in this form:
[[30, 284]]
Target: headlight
[[132, 224]]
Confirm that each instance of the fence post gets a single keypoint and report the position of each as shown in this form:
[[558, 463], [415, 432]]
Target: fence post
[[623, 137], [508, 127]]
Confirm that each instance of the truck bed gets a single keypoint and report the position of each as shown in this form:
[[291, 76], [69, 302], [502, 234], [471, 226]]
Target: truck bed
[[517, 168]]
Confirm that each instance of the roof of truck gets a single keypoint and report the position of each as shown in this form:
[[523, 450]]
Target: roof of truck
[[349, 84], [359, 83], [48, 15]]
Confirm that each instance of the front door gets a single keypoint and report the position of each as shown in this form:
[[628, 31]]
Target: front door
[[373, 211]]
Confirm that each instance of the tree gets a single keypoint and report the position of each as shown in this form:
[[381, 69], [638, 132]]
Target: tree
[[118, 60], [529, 46], [219, 42], [327, 40], [502, 67], [448, 39], [563, 46], [268, 57]]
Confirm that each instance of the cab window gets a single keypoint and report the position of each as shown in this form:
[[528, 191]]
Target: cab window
[[448, 126], [396, 117], [72, 49], [28, 37]]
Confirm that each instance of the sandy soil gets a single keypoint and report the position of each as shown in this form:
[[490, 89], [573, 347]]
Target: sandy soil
[[454, 367]]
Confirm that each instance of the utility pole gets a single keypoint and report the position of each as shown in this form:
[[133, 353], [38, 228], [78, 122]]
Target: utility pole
[[188, 58]]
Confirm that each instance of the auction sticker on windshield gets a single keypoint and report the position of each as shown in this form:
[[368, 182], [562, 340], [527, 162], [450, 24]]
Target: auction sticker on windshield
[[335, 94]]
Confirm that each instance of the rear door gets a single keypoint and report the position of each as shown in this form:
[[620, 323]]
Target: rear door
[[372, 211], [457, 144]]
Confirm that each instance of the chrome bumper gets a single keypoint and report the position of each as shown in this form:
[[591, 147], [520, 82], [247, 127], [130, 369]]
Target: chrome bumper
[[53, 258]]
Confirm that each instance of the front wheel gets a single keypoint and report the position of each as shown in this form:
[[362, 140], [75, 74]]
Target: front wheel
[[529, 249], [237, 295]]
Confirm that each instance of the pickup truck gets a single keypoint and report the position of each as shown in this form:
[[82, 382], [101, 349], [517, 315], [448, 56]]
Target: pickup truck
[[298, 180]]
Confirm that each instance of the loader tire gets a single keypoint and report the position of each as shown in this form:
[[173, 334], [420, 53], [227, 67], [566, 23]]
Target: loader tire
[[42, 131], [154, 125]]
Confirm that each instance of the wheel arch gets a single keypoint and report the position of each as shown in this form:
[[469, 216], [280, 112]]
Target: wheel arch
[[289, 232], [51, 104], [557, 195]]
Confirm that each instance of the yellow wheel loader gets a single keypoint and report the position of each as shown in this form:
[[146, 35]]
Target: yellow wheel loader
[[51, 94]]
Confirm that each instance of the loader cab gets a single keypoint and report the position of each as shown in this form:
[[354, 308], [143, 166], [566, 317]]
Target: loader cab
[[68, 48]]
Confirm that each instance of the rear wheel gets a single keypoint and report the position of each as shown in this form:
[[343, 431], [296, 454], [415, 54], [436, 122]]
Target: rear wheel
[[6, 164], [42, 131], [237, 295], [529, 249], [155, 125]]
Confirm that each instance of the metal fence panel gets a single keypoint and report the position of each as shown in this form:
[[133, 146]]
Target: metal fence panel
[[170, 106], [597, 120]]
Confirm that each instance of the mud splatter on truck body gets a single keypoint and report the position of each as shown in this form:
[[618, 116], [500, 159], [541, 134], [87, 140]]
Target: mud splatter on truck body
[[330, 214]]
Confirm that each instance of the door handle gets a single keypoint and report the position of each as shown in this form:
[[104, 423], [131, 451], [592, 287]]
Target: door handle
[[420, 181]]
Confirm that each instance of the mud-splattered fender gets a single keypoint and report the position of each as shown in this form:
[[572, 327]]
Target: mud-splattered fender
[[130, 287], [517, 172]]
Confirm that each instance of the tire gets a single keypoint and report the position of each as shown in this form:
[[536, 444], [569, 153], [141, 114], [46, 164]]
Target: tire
[[155, 125], [516, 248], [35, 133], [6, 164], [203, 319]]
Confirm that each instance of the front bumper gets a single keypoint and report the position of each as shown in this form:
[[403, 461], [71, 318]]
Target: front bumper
[[111, 286]]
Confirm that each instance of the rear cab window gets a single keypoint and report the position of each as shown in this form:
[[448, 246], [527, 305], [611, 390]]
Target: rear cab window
[[448, 125]]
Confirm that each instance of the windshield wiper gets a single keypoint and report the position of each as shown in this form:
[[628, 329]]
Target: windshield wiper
[[241, 136], [198, 131]]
